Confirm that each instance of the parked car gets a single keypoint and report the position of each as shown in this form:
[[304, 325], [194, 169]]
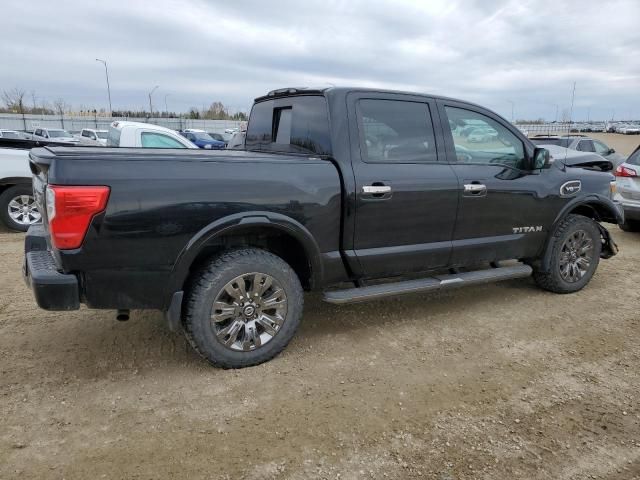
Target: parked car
[[628, 129], [55, 134], [17, 206], [145, 135], [11, 134], [628, 191], [581, 143], [202, 139], [335, 186], [18, 209], [482, 135], [92, 136]]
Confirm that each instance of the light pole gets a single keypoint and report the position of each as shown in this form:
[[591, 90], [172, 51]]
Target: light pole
[[151, 93], [512, 108], [106, 72], [166, 110], [556, 112]]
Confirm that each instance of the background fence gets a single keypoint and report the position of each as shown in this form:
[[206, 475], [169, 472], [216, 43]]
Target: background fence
[[11, 121]]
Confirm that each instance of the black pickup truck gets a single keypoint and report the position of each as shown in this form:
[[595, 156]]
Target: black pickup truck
[[357, 193]]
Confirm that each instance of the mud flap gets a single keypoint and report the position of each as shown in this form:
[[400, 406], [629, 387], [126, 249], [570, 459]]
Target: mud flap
[[609, 247]]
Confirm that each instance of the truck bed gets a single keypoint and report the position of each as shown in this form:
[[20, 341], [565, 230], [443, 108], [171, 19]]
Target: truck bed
[[162, 202]]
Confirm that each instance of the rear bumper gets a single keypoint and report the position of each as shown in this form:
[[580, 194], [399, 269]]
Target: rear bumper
[[52, 289]]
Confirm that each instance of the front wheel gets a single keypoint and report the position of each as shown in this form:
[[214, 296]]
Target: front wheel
[[574, 257], [242, 308], [18, 209]]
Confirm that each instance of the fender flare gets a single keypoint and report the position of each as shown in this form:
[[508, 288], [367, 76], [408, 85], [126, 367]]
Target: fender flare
[[594, 202], [238, 221]]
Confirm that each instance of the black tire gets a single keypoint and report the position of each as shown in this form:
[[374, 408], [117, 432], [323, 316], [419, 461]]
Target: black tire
[[6, 197], [208, 284], [630, 226], [553, 280]]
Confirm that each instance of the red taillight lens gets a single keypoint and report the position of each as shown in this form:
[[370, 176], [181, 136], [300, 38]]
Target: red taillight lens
[[623, 171], [70, 210]]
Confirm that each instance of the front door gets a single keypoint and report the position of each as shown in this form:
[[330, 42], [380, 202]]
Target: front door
[[501, 212], [406, 194]]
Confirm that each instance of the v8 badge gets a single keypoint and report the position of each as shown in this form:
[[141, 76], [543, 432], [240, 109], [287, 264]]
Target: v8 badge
[[570, 188]]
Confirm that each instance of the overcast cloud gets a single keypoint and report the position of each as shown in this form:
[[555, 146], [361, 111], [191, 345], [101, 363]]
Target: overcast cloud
[[491, 52]]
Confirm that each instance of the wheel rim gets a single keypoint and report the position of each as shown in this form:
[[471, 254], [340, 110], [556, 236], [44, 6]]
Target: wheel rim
[[576, 256], [249, 311], [24, 210]]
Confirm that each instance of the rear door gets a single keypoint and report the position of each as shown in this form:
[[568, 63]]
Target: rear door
[[501, 204], [406, 193]]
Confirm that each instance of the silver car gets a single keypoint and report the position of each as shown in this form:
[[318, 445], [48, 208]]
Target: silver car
[[628, 191], [581, 143]]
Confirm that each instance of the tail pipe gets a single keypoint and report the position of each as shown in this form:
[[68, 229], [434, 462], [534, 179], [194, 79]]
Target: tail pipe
[[122, 315]]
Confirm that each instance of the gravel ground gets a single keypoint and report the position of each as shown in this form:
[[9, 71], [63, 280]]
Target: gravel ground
[[498, 381]]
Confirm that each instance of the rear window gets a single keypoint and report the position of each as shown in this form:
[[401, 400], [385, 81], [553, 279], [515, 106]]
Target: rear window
[[113, 140], [561, 142], [634, 158], [290, 125]]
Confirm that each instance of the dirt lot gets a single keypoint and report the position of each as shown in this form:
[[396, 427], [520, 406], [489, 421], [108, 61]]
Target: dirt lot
[[495, 382]]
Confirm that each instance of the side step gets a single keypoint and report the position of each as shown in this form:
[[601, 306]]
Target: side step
[[439, 282]]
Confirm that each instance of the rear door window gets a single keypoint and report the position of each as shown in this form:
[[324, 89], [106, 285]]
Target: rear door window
[[298, 124], [393, 131]]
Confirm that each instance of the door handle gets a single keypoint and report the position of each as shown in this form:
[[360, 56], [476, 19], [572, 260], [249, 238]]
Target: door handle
[[376, 189], [475, 188]]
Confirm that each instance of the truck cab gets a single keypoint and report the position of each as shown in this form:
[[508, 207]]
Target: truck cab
[[92, 136]]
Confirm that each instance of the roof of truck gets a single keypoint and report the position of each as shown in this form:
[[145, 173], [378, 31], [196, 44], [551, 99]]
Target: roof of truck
[[333, 90]]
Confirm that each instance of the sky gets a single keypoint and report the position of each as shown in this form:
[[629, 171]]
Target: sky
[[502, 53]]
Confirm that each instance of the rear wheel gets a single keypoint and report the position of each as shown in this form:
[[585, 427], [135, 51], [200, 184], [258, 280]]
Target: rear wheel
[[243, 308], [18, 209], [574, 257]]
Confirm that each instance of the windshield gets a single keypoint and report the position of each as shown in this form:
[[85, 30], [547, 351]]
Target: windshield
[[102, 134], [561, 142], [113, 140], [59, 133]]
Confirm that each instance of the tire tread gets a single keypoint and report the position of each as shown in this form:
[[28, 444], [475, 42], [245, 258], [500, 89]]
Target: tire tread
[[212, 273]]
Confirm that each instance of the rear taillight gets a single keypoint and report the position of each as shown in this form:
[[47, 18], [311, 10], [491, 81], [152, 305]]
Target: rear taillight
[[623, 171], [70, 210]]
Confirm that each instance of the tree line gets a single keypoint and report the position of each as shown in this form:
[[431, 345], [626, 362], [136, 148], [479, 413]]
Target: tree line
[[19, 101]]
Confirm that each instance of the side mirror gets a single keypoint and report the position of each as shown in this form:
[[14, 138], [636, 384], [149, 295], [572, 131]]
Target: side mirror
[[611, 150], [541, 158]]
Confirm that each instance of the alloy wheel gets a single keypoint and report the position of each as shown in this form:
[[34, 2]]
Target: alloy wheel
[[24, 210], [249, 311], [576, 256]]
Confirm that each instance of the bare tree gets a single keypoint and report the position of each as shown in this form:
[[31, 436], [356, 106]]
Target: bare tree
[[32, 93], [14, 100], [60, 106]]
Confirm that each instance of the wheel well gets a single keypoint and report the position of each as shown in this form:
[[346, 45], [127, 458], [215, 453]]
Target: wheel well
[[272, 240], [595, 211]]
